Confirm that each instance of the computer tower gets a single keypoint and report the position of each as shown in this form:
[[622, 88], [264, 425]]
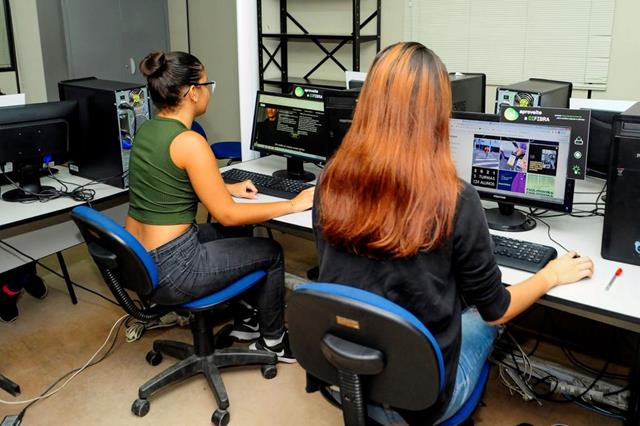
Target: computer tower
[[110, 112], [621, 232], [468, 91], [535, 92]]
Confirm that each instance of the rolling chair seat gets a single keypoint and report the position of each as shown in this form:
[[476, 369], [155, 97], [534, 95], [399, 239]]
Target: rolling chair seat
[[376, 352], [126, 265]]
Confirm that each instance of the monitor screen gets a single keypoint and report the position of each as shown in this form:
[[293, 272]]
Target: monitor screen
[[290, 127], [522, 164]]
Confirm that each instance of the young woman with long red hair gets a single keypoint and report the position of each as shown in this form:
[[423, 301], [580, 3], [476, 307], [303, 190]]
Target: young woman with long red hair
[[392, 217]]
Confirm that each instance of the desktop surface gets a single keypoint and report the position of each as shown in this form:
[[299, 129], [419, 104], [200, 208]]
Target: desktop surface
[[588, 297]]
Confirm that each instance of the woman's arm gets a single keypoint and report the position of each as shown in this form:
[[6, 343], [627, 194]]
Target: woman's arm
[[564, 270], [191, 152]]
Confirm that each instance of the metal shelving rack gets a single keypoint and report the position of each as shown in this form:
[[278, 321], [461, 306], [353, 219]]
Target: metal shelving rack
[[340, 40]]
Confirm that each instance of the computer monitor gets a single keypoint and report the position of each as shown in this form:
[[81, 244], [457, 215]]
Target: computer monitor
[[513, 164], [34, 136], [339, 106], [293, 128], [468, 91]]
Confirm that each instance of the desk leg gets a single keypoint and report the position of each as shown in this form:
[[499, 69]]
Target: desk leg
[[633, 412], [67, 279], [9, 386]]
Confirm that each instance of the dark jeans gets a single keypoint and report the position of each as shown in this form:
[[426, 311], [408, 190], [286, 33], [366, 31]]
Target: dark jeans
[[202, 261]]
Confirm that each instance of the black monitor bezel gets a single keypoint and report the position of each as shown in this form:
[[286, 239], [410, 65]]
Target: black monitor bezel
[[276, 152], [567, 205], [42, 114]]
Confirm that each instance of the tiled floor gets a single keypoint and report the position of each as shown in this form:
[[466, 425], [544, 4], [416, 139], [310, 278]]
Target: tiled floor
[[52, 337]]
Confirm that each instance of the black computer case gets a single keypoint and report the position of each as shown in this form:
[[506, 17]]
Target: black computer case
[[535, 92], [621, 232], [110, 113]]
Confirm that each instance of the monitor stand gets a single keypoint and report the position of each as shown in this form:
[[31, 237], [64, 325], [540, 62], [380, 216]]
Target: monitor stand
[[507, 218], [29, 183], [295, 170]]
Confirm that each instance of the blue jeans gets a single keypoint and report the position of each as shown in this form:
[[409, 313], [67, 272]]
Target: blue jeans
[[475, 348]]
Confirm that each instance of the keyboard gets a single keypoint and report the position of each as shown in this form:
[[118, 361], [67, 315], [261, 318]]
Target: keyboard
[[270, 185], [522, 255]]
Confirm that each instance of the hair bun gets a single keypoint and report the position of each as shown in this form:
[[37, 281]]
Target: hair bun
[[153, 64]]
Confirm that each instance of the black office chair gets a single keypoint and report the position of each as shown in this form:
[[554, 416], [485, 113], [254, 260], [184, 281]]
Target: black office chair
[[374, 350], [126, 265]]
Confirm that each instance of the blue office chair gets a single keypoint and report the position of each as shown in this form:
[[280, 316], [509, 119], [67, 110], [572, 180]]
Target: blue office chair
[[227, 150], [374, 350], [126, 265], [223, 150]]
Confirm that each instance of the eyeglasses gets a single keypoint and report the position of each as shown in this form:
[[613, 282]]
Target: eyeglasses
[[206, 83]]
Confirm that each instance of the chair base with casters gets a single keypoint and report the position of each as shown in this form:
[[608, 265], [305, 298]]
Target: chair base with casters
[[204, 358], [375, 351], [126, 265]]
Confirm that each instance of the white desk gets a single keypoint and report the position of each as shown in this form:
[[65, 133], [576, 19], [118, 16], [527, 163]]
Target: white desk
[[40, 229], [619, 306]]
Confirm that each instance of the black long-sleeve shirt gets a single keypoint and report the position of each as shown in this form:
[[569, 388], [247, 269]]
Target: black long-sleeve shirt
[[430, 285]]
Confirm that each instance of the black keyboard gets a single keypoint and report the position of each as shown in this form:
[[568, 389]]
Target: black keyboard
[[522, 255], [270, 185]]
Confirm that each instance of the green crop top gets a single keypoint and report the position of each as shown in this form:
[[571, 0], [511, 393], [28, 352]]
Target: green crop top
[[160, 193]]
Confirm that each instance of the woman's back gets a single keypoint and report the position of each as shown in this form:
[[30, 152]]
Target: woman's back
[[430, 284]]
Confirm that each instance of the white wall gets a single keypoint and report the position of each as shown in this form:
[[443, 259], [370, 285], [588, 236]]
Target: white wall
[[8, 82], [28, 50], [624, 65], [177, 25], [213, 41]]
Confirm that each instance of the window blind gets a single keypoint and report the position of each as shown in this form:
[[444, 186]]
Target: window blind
[[513, 40]]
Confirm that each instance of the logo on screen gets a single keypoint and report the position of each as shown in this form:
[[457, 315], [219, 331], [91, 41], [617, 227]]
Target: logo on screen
[[511, 114], [298, 91], [637, 247]]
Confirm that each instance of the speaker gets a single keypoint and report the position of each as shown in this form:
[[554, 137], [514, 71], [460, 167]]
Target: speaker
[[621, 233]]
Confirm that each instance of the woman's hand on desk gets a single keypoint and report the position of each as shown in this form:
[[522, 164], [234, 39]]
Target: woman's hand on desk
[[303, 201], [567, 269], [245, 189]]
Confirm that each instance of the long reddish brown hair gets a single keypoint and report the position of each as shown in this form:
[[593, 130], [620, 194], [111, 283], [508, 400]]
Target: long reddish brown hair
[[391, 188]]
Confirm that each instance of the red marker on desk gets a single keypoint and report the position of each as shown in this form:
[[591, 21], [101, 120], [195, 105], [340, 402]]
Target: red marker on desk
[[616, 275]]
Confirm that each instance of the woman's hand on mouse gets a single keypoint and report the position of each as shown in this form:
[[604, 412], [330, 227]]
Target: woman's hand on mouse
[[567, 269]]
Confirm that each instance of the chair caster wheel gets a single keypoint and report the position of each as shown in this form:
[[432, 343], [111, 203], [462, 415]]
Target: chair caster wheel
[[140, 407], [269, 371], [154, 358], [220, 417]]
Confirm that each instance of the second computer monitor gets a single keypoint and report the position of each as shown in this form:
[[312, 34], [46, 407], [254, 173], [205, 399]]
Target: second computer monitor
[[293, 128], [34, 136], [513, 164]]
